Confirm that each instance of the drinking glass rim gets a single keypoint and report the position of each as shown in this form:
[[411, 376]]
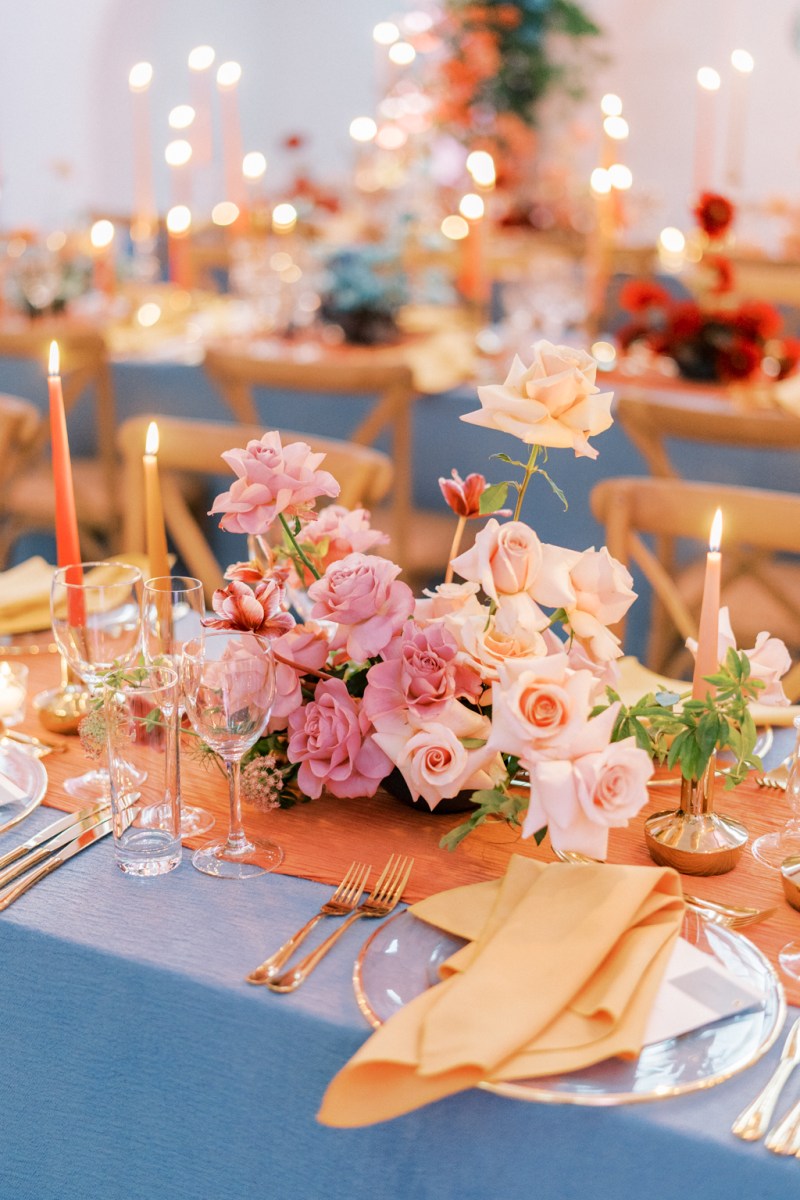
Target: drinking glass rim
[[196, 584], [59, 575], [208, 634], [142, 685]]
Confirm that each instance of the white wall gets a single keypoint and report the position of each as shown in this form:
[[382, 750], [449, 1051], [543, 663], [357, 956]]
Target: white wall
[[309, 65]]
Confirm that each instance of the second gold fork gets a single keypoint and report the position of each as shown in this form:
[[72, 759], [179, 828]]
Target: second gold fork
[[341, 903]]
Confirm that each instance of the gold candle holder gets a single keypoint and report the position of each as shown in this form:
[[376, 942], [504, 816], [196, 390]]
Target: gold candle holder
[[61, 709], [694, 839]]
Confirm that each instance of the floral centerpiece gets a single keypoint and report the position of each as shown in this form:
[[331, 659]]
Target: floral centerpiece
[[715, 338], [498, 685]]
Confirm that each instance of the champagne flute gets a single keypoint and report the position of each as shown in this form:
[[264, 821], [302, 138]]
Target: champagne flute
[[228, 683], [96, 614], [172, 615], [773, 849]]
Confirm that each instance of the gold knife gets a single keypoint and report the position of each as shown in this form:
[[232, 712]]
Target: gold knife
[[50, 831], [37, 855], [12, 893]]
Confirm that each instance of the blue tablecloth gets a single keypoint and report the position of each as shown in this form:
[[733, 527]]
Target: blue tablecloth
[[136, 1063]]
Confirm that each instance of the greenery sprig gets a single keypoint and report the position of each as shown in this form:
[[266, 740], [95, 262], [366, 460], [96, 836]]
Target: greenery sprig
[[680, 731]]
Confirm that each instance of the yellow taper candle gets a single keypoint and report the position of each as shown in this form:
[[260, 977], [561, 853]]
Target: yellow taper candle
[[707, 659], [154, 511]]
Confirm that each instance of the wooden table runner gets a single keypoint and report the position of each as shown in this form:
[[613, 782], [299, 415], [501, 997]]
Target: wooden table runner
[[323, 837]]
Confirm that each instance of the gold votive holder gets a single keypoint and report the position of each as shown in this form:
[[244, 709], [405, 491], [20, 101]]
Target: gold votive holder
[[694, 839], [790, 878], [61, 709]]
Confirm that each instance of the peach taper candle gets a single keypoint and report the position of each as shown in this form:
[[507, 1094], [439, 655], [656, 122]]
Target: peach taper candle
[[154, 511], [707, 659]]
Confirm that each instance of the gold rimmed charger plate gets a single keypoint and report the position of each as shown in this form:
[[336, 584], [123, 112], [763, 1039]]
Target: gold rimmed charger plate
[[402, 957], [28, 773]]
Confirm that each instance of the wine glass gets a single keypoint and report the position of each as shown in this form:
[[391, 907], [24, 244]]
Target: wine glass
[[172, 614], [773, 849], [228, 682], [96, 615]]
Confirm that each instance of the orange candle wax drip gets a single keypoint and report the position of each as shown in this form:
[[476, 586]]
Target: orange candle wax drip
[[707, 660], [154, 512]]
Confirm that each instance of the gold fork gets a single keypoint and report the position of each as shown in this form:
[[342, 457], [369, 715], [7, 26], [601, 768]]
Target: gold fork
[[379, 903], [341, 904], [777, 777]]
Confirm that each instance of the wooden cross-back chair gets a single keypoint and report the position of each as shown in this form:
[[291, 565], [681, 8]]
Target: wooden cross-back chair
[[631, 509], [236, 373], [189, 448], [28, 500], [20, 425], [654, 421]]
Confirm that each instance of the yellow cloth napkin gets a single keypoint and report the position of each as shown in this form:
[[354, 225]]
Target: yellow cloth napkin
[[637, 680], [560, 971], [25, 592]]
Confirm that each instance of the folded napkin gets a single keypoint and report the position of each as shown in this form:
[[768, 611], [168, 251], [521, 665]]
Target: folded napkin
[[637, 680], [25, 592], [560, 971], [25, 597]]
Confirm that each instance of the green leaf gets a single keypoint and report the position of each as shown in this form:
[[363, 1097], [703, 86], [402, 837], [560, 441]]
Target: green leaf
[[472, 743], [555, 488], [494, 497], [506, 459], [540, 835]]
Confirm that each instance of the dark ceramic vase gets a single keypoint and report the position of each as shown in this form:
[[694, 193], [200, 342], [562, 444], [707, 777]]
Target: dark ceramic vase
[[396, 786]]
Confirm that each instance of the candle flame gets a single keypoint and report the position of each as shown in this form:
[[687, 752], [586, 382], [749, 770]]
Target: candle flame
[[151, 441], [54, 364], [715, 538]]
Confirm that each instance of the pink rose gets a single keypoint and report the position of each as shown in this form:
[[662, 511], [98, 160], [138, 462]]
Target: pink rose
[[504, 559], [363, 595], [331, 738], [540, 709], [515, 631], [345, 530], [303, 649], [553, 402], [603, 594], [580, 801], [422, 675], [769, 659], [271, 479], [432, 757], [507, 559], [256, 610]]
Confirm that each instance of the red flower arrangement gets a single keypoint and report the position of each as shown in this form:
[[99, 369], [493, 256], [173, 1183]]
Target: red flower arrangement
[[717, 343]]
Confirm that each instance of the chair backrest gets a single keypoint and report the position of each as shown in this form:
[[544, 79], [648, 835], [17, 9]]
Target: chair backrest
[[20, 426], [194, 448], [83, 364], [369, 373], [651, 419], [756, 520]]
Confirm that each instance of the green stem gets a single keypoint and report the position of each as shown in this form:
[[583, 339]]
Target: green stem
[[530, 470], [297, 549]]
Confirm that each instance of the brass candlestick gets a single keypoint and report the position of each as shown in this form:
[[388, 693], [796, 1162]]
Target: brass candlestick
[[61, 709], [694, 839]]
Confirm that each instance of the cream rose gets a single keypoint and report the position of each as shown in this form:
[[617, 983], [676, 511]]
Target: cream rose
[[552, 402], [580, 800]]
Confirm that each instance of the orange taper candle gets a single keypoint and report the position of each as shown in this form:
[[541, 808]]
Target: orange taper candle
[[68, 547], [707, 658], [154, 512]]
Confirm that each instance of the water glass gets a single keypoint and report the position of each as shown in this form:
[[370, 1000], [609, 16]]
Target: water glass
[[140, 707], [13, 692]]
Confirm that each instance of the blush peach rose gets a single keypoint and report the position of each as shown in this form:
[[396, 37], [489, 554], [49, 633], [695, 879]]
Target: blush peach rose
[[553, 402]]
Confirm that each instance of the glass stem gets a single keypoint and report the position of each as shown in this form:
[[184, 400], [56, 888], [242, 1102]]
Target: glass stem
[[237, 839]]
